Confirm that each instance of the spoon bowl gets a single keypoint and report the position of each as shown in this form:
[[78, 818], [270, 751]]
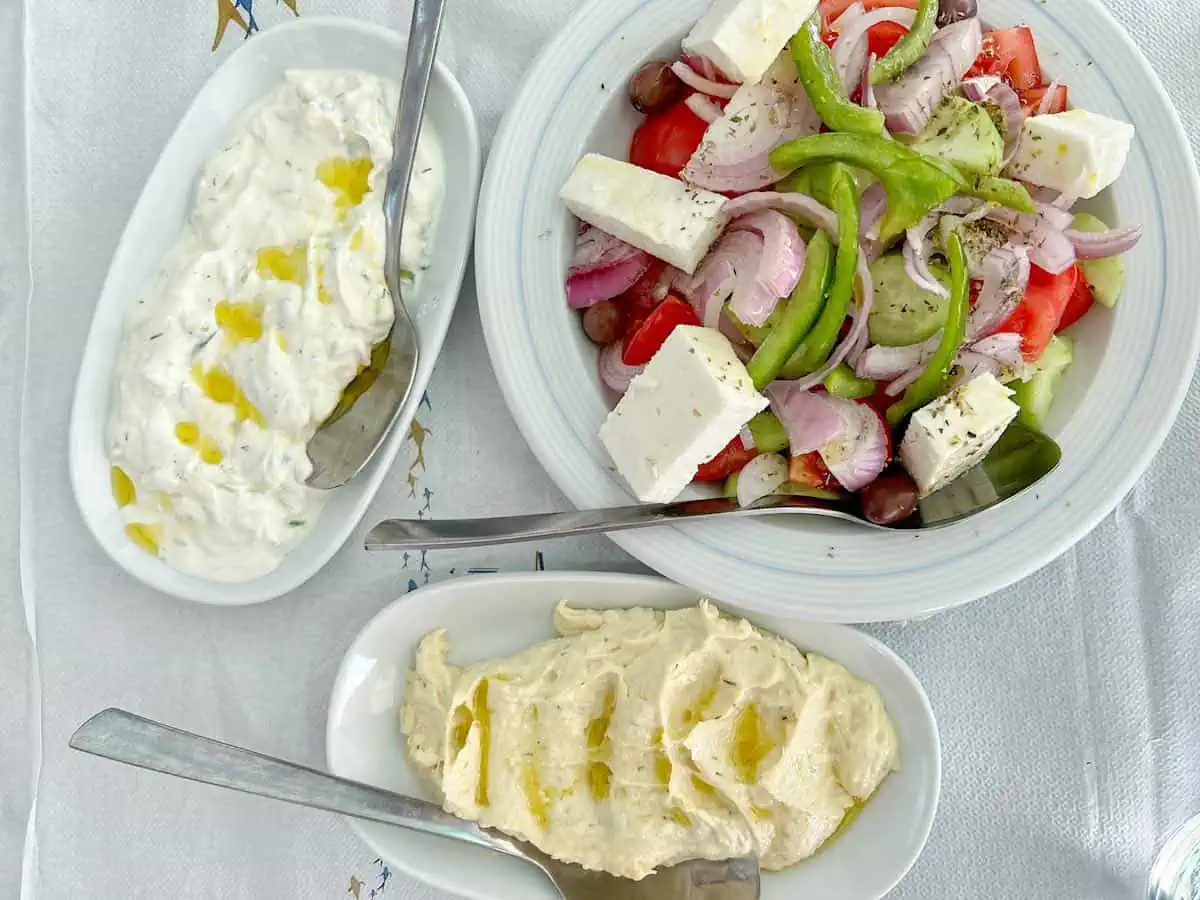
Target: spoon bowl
[[345, 444]]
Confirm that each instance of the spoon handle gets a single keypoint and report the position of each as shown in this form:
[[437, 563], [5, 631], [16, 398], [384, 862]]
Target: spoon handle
[[119, 735], [418, 69], [449, 534]]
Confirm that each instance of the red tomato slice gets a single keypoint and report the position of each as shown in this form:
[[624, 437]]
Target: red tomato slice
[[809, 470], [732, 459], [666, 141], [1080, 302], [1031, 100], [883, 37], [1010, 54], [1041, 309], [643, 341]]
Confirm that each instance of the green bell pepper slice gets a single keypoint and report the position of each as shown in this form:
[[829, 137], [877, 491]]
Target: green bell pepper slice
[[814, 65], [910, 48]]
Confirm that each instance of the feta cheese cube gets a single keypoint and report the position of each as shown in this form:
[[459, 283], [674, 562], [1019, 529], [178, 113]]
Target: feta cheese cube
[[691, 400], [743, 37], [955, 432], [1076, 152], [661, 215]]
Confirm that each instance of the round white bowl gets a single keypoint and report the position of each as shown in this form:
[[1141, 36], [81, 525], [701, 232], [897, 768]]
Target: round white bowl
[[499, 615], [1114, 409], [246, 76]]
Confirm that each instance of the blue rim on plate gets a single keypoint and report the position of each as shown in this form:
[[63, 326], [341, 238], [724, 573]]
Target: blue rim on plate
[[1120, 399]]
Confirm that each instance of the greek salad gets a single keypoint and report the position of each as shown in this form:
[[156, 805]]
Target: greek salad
[[841, 255]]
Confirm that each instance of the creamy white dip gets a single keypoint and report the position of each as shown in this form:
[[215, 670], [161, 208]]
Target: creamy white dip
[[267, 306], [640, 739]]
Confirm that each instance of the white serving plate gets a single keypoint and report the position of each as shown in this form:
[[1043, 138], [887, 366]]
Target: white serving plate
[[499, 615], [1114, 409], [246, 76]]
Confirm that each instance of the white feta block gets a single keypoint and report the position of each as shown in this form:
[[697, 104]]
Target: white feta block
[[955, 432], [661, 215], [1076, 152], [743, 37], [690, 401]]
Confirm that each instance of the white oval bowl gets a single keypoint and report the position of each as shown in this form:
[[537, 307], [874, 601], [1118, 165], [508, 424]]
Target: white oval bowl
[[499, 615], [1115, 406], [246, 76]]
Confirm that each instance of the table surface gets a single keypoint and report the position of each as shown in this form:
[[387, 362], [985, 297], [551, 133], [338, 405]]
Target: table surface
[[1067, 703]]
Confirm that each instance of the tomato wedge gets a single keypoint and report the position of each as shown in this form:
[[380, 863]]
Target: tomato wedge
[[647, 292], [666, 141], [1081, 301], [732, 458], [1041, 310], [643, 341], [809, 470], [1031, 100], [1011, 54], [883, 36]]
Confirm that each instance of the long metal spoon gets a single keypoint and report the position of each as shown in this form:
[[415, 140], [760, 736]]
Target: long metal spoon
[[119, 735], [343, 445], [1019, 460]]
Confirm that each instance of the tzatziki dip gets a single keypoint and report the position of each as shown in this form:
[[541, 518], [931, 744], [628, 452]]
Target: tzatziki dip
[[270, 303], [640, 738]]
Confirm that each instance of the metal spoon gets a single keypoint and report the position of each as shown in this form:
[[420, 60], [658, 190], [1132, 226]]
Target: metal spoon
[[343, 445], [119, 735], [1019, 460]]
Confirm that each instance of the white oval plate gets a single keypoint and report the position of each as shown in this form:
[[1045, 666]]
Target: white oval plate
[[247, 75], [1114, 409], [499, 615]]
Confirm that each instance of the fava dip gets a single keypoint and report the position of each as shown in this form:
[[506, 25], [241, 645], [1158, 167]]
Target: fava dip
[[269, 304], [640, 739]]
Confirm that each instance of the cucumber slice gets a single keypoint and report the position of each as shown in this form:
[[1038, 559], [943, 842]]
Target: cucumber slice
[[904, 313], [1106, 277], [963, 134], [1036, 395], [729, 489]]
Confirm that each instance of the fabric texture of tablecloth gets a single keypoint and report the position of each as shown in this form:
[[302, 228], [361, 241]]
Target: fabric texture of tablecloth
[[1069, 704]]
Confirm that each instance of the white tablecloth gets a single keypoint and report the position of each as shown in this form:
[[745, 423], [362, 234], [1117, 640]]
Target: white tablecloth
[[1068, 704]]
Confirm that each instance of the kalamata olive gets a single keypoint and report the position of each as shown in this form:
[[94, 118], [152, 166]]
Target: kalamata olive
[[654, 87], [951, 11], [890, 498], [604, 322]]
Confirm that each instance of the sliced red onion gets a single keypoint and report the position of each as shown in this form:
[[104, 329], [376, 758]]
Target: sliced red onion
[[613, 371], [872, 206], [868, 88], [908, 102], [1049, 247], [1047, 99], [747, 436], [703, 107], [882, 363], [781, 261], [1004, 348], [850, 51], [900, 384], [734, 155], [1056, 217], [712, 284], [602, 267], [972, 364], [854, 339], [761, 477], [802, 205], [698, 82], [989, 89], [1104, 243], [917, 247], [702, 64], [809, 419], [856, 456], [1005, 277]]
